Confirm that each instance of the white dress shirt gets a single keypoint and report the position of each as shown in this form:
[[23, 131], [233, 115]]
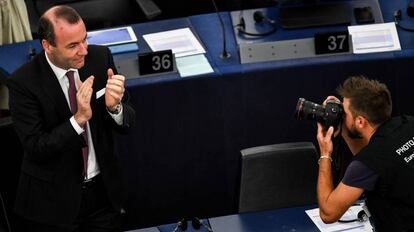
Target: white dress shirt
[[93, 168]]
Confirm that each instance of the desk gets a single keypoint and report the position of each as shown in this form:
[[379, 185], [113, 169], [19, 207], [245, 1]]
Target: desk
[[182, 158], [288, 219]]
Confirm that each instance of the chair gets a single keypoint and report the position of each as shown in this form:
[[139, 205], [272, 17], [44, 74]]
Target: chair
[[10, 163], [278, 176], [4, 95]]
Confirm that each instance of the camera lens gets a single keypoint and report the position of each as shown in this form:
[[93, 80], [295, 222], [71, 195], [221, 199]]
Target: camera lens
[[309, 110], [329, 115]]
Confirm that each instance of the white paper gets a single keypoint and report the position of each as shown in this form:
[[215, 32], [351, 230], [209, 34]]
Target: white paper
[[193, 65], [350, 214], [380, 37], [100, 93], [182, 42]]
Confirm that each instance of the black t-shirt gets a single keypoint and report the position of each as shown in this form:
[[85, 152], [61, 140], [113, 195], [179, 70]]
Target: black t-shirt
[[360, 175], [391, 201]]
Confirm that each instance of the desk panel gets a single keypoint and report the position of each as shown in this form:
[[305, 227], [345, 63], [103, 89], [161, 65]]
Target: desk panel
[[183, 155], [286, 219], [289, 219]]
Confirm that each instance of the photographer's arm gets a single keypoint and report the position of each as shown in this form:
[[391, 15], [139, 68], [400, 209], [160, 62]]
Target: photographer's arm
[[333, 202]]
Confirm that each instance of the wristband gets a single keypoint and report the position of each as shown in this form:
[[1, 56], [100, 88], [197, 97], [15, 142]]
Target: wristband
[[324, 157]]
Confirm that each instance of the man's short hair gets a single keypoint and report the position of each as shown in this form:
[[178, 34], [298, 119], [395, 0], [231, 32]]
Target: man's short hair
[[368, 98], [46, 26]]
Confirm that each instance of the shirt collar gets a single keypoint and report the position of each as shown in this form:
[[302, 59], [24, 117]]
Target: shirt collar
[[59, 72]]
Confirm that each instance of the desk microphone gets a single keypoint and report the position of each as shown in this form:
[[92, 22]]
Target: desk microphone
[[398, 17], [224, 54], [410, 9], [258, 18], [181, 225], [362, 216], [197, 223]]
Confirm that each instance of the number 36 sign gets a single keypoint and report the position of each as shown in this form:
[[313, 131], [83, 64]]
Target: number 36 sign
[[156, 62]]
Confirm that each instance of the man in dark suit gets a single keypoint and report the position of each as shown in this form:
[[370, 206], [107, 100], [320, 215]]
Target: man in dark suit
[[66, 105]]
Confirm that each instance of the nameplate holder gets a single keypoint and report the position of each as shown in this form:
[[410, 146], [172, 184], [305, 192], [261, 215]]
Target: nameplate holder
[[279, 50], [158, 62]]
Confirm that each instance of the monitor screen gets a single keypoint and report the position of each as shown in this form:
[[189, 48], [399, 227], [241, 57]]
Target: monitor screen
[[313, 13], [112, 36]]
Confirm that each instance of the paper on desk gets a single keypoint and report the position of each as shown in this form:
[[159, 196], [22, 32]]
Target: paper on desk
[[380, 37], [193, 65], [350, 214], [182, 42]]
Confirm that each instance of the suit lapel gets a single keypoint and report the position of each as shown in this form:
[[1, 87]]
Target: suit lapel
[[53, 89]]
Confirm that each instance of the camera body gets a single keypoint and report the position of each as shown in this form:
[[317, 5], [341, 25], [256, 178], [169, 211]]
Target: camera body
[[328, 115]]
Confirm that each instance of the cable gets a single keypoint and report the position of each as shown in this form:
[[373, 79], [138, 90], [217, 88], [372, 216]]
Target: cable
[[224, 54], [5, 213], [361, 217]]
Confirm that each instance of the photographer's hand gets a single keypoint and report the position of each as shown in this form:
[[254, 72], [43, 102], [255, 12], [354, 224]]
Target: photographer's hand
[[325, 140], [333, 98]]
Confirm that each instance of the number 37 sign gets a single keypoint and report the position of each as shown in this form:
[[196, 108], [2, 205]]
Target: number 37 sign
[[156, 62], [331, 42]]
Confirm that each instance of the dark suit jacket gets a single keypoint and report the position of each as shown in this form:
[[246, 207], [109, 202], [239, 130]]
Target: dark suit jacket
[[50, 183]]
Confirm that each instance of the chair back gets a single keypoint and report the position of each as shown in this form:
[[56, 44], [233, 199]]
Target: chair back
[[278, 176]]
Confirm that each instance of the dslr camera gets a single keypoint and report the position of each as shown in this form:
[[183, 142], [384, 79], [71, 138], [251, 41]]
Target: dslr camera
[[328, 115]]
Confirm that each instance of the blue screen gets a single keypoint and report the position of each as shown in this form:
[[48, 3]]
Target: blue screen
[[120, 35]]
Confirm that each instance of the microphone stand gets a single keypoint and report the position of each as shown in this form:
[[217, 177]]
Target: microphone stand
[[181, 224], [224, 54], [195, 222]]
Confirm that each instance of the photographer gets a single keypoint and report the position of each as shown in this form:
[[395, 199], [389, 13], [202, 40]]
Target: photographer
[[383, 165]]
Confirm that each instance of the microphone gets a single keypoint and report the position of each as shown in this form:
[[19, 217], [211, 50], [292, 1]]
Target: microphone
[[410, 9], [397, 20], [181, 224], [197, 223], [362, 216], [224, 54], [259, 18]]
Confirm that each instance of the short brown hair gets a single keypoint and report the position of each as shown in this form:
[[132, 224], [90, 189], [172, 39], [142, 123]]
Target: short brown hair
[[46, 29], [368, 98]]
